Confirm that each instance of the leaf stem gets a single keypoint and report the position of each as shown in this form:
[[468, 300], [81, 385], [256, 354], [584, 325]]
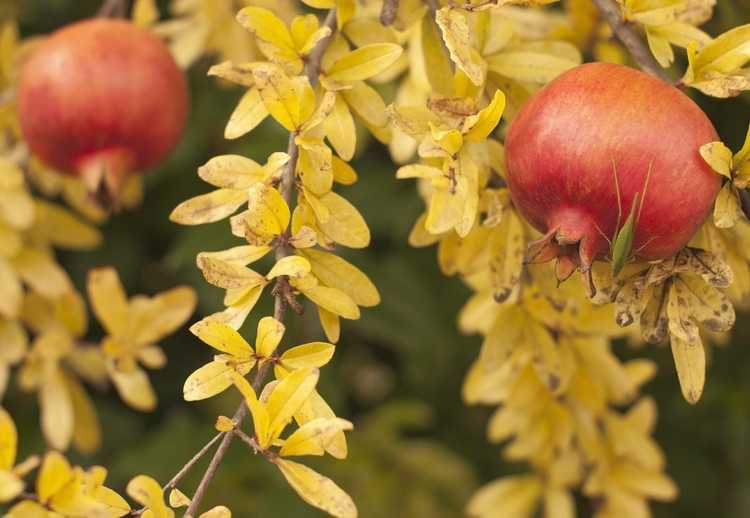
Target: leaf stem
[[286, 188], [626, 33]]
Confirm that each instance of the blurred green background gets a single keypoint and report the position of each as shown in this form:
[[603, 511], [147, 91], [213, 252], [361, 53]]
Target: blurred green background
[[417, 451]]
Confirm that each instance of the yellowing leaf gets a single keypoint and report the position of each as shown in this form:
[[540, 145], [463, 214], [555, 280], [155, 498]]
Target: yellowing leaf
[[314, 437], [338, 273], [267, 216], [313, 354], [291, 101], [346, 225], [481, 125], [40, 271], [213, 378], [223, 338], [232, 172], [57, 410], [457, 37], [526, 63], [727, 211], [333, 300], [364, 62], [145, 13], [719, 157], [366, 103], [291, 266], [269, 335], [134, 388], [54, 474], [317, 490], [147, 492], [178, 499], [437, 63], [229, 275], [330, 323], [690, 362], [208, 208], [261, 419], [660, 47], [8, 441], [274, 39], [250, 112], [340, 130], [288, 397], [726, 53]]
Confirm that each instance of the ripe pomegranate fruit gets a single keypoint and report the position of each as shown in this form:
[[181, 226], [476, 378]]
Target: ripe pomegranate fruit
[[102, 98], [603, 133]]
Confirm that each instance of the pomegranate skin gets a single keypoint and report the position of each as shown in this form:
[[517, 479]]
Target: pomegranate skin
[[102, 97], [593, 128]]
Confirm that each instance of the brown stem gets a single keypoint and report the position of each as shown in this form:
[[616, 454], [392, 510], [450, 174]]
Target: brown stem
[[388, 12], [286, 188], [629, 37], [113, 9]]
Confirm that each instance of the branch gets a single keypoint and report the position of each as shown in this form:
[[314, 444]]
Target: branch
[[629, 37], [113, 9], [389, 12], [286, 188]]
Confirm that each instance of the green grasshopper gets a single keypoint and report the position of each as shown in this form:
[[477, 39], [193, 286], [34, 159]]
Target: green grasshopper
[[621, 245]]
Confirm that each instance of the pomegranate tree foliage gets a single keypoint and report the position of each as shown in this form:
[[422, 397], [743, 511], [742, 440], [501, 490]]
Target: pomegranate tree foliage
[[435, 82]]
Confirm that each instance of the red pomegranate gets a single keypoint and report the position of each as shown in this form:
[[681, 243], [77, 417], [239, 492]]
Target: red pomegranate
[[599, 131], [102, 98]]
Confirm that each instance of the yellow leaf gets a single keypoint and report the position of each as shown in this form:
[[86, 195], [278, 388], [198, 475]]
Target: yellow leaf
[[145, 13], [366, 103], [333, 300], [690, 362], [660, 47], [340, 130], [261, 418], [8, 441], [250, 112], [208, 208], [58, 226], [343, 173], [510, 496], [178, 499], [726, 53], [87, 434], [346, 225], [330, 323], [479, 127], [147, 492], [336, 272], [57, 410], [558, 503], [287, 398], [719, 157], [291, 266], [364, 62], [267, 216], [10, 487], [317, 490], [526, 63], [273, 37], [223, 338], [507, 257], [727, 211], [134, 388], [305, 32], [291, 101], [240, 74], [40, 271], [54, 474], [11, 290], [213, 378], [457, 37], [315, 165], [154, 318], [313, 437], [219, 511], [239, 255], [232, 172], [680, 34], [229, 275], [269, 335], [437, 63], [313, 354]]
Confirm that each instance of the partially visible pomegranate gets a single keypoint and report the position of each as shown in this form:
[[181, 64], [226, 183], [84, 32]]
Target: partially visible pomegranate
[[596, 130], [102, 98]]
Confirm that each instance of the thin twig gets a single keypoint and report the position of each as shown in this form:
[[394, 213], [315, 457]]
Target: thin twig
[[629, 37], [388, 12], [113, 9], [286, 188]]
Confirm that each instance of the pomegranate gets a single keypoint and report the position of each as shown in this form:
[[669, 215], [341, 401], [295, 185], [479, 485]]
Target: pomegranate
[[603, 144], [102, 98]]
